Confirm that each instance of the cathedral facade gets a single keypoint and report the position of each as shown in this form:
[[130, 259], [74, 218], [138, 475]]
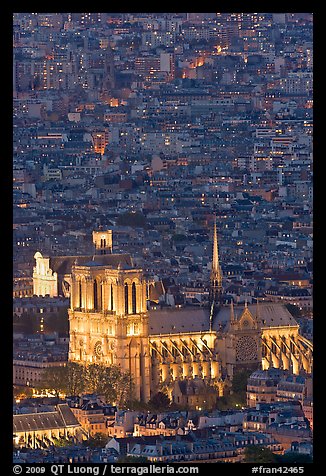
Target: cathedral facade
[[110, 323], [108, 320]]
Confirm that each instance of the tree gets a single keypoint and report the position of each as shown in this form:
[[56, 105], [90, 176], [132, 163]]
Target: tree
[[99, 440], [235, 395], [55, 379], [239, 381], [62, 442], [74, 379], [22, 392], [68, 379], [239, 387], [259, 454], [229, 401], [110, 381], [96, 381], [124, 388], [75, 383], [223, 403], [159, 401], [132, 404]]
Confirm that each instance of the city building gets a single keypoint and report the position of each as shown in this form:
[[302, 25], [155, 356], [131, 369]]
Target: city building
[[39, 429], [262, 386]]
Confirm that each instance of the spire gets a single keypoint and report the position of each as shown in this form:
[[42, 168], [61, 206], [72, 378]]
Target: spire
[[215, 265], [216, 274]]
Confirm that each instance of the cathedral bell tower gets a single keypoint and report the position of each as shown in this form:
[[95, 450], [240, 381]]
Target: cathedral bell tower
[[108, 318], [215, 295], [102, 240]]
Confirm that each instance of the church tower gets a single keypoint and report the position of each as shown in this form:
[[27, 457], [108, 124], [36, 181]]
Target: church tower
[[102, 240], [108, 319], [215, 298]]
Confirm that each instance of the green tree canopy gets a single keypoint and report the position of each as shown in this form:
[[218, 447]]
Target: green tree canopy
[[75, 383], [110, 381], [74, 379], [99, 440], [22, 392], [62, 442], [239, 380], [235, 396], [133, 404], [159, 401], [259, 454], [54, 379], [230, 401]]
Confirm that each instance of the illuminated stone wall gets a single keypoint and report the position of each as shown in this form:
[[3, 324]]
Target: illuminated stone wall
[[109, 322], [45, 281]]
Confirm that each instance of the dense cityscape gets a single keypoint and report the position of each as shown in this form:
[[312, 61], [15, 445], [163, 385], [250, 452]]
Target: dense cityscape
[[163, 238]]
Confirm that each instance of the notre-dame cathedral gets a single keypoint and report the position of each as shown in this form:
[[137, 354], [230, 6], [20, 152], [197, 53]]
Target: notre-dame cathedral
[[110, 323]]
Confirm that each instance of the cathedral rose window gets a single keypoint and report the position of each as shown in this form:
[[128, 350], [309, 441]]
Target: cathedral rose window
[[246, 349], [98, 349]]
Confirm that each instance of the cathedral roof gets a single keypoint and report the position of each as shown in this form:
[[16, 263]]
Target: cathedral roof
[[273, 315], [270, 314], [187, 319], [171, 320], [63, 264], [222, 318]]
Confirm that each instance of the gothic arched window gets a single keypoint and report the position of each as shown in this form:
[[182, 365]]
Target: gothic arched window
[[100, 300], [80, 294], [133, 295], [95, 295], [126, 299], [103, 246], [111, 309]]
